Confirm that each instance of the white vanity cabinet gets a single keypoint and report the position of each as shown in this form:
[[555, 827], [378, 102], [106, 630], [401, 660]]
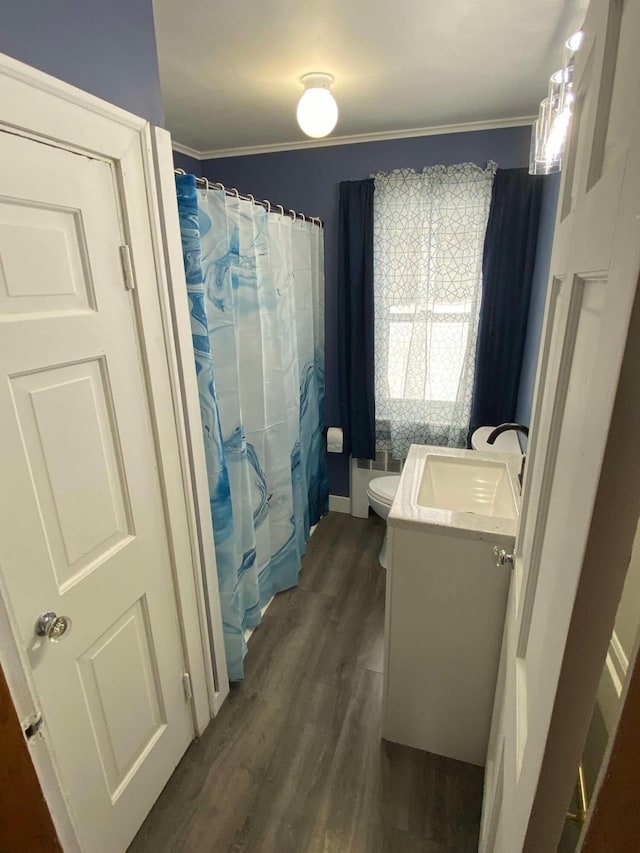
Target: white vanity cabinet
[[445, 609]]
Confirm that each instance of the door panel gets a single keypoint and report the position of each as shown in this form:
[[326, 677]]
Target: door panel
[[123, 659], [26, 287], [571, 370], [71, 440], [542, 456], [82, 526]]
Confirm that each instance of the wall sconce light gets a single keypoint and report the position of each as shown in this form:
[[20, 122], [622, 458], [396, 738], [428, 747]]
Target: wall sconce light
[[317, 111], [550, 130]]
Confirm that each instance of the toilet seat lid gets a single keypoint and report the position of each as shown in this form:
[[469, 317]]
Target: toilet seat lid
[[385, 488]]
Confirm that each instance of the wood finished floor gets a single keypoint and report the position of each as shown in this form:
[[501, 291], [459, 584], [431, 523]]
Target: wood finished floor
[[294, 762]]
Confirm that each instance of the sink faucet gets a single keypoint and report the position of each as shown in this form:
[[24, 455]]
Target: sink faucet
[[505, 428]]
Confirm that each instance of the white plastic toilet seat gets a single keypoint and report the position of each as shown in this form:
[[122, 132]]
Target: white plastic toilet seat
[[384, 488]]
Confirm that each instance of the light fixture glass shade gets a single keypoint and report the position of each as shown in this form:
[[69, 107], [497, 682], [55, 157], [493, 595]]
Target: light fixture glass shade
[[574, 42], [550, 131], [543, 160], [317, 111]]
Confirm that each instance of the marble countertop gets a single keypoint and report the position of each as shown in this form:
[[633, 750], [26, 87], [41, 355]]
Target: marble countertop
[[407, 513]]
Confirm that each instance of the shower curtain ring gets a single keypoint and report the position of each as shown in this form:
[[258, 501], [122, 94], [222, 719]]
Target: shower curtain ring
[[179, 171], [219, 186], [295, 215], [268, 203], [206, 184], [235, 192], [253, 201], [281, 208]]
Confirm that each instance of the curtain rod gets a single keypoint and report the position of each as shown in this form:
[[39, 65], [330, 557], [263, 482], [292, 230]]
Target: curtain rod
[[277, 208]]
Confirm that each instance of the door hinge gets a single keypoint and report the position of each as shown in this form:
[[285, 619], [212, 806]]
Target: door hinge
[[186, 686], [127, 268], [32, 725]]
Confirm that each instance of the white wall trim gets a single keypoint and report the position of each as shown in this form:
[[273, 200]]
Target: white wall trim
[[22, 73], [178, 337], [184, 149], [340, 503], [380, 136]]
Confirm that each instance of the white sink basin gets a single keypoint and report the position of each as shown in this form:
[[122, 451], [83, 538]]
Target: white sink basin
[[466, 485]]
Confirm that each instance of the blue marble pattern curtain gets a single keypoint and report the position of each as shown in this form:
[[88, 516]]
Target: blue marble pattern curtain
[[255, 285]]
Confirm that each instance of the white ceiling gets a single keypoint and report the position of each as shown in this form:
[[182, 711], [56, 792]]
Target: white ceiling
[[230, 69]]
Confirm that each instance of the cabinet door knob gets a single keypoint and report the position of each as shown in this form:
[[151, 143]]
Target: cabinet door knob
[[503, 558]]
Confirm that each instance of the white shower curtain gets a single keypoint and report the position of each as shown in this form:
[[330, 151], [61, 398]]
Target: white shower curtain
[[255, 285]]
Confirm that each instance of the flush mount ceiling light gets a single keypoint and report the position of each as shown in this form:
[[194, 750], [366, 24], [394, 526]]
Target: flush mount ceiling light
[[317, 111]]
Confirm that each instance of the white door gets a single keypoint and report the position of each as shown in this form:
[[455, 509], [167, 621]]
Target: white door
[[594, 272], [82, 520]]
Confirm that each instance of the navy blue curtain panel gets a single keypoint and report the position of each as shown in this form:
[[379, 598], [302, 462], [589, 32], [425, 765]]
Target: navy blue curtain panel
[[355, 318], [507, 271]]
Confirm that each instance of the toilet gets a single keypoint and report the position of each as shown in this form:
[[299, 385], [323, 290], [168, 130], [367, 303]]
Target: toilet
[[382, 490]]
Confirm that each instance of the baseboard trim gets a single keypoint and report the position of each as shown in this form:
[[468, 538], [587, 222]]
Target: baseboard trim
[[340, 503]]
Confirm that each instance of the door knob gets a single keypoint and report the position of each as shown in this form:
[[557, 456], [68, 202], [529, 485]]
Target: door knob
[[503, 558], [52, 626]]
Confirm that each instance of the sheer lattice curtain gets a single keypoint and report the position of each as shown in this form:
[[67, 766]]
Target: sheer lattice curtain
[[429, 230]]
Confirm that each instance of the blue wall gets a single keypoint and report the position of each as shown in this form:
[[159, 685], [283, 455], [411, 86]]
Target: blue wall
[[307, 181], [107, 48], [189, 164], [538, 297]]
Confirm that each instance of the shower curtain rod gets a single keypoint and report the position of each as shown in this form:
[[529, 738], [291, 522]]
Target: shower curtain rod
[[277, 208]]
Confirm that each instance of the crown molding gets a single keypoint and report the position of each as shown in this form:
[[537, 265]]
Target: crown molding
[[382, 136], [190, 152]]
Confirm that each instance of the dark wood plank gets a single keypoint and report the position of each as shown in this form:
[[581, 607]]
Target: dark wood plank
[[614, 823], [25, 822], [295, 762]]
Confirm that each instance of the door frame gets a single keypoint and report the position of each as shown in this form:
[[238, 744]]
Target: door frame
[[164, 207], [38, 106]]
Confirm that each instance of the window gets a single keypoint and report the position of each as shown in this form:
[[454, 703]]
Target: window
[[428, 238]]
